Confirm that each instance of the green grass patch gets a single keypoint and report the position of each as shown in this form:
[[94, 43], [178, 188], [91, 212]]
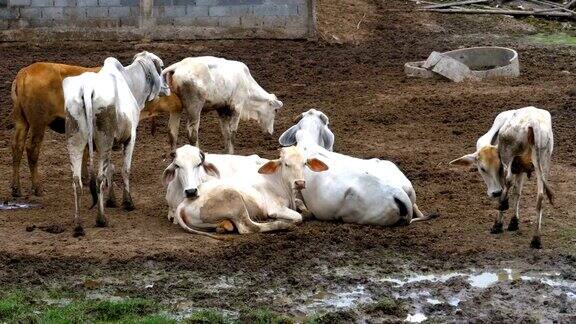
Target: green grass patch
[[338, 317], [29, 307], [263, 316], [107, 310], [554, 39], [208, 316], [13, 306]]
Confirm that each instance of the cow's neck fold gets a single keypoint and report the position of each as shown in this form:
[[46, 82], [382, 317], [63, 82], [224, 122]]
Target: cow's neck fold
[[137, 81], [279, 188]]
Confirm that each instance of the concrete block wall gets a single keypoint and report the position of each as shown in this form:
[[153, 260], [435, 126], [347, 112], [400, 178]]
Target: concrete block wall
[[157, 19]]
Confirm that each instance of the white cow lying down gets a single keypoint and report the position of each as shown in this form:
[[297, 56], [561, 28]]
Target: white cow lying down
[[190, 167], [212, 83], [246, 200], [353, 190], [519, 142]]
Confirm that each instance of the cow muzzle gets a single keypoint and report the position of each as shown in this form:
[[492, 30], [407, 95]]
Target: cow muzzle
[[299, 184], [191, 193]]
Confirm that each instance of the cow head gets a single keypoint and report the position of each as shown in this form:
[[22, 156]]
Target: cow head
[[290, 166], [265, 109], [189, 166], [487, 161], [153, 66], [315, 124]]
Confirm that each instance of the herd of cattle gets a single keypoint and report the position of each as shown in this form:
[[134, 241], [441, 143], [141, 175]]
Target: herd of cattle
[[99, 109]]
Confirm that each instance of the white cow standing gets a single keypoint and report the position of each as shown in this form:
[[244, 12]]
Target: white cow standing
[[103, 109], [212, 83], [247, 199], [519, 142], [191, 167], [353, 190]]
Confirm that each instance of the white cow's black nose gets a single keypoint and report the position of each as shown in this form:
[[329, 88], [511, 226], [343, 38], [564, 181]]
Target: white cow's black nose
[[191, 193], [496, 194]]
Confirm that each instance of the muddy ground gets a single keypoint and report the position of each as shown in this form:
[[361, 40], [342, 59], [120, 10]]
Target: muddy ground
[[355, 75]]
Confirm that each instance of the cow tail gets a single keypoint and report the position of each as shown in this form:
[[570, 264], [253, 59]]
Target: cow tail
[[182, 222], [87, 97], [167, 74], [15, 91], [537, 141]]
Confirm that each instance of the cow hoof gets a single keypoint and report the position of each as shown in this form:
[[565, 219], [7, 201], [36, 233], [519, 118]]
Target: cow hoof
[[128, 206], [78, 231], [101, 223], [513, 225], [16, 192], [111, 203], [37, 192], [536, 243], [497, 228]]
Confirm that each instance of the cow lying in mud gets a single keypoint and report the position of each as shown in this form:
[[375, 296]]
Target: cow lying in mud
[[211, 83], [191, 167], [520, 142], [250, 202], [103, 109], [360, 191]]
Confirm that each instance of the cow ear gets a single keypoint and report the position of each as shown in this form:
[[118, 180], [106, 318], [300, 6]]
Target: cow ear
[[168, 174], [316, 165], [156, 79], [324, 118], [288, 138], [211, 169], [270, 167], [466, 160], [327, 138]]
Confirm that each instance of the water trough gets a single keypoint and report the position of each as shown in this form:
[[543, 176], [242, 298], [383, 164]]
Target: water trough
[[475, 63]]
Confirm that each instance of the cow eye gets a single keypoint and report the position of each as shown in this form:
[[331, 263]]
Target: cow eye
[[482, 169], [176, 166]]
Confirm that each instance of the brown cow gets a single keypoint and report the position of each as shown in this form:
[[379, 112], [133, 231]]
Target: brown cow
[[38, 101]]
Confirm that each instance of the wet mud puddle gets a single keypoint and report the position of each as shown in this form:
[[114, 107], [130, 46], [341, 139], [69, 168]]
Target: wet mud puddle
[[431, 292], [13, 205]]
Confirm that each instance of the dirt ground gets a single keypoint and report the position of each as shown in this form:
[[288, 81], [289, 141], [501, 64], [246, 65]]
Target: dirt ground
[[355, 75]]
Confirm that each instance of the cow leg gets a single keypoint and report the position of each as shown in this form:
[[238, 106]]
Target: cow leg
[[498, 226], [174, 126], [76, 144], [288, 214], [33, 151], [194, 104], [516, 193], [234, 121], [101, 182], [127, 202], [536, 243], [18, 143], [111, 201], [224, 116]]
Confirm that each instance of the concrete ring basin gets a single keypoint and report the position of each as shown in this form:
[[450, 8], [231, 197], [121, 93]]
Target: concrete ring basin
[[483, 63]]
